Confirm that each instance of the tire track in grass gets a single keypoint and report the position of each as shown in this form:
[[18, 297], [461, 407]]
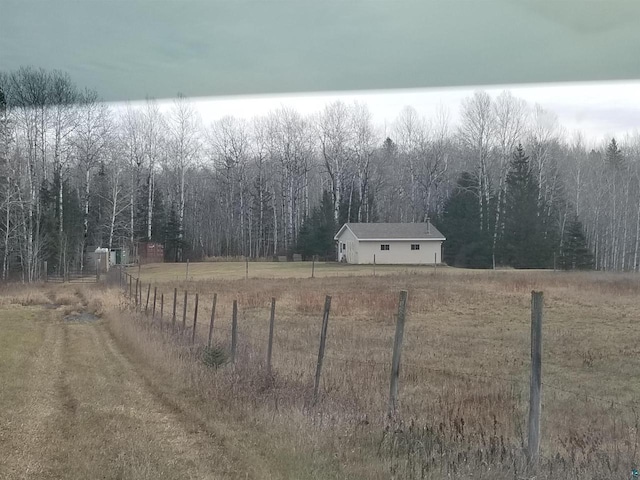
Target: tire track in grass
[[118, 427], [33, 452], [231, 448], [89, 411], [205, 447]]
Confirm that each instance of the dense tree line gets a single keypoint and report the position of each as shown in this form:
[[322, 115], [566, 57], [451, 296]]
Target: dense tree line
[[506, 184]]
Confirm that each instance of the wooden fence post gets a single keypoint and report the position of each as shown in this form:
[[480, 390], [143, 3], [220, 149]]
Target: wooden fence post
[[98, 270], [246, 268], [46, 271], [272, 320], [323, 340], [213, 315], [397, 351], [234, 331], [195, 320], [535, 392], [161, 309], [130, 287], [146, 305], [313, 266], [175, 301], [155, 293], [374, 264], [435, 262], [186, 275], [137, 285], [184, 311], [140, 302]]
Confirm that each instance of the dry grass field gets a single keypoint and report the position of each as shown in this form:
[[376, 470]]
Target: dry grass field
[[463, 383], [176, 272]]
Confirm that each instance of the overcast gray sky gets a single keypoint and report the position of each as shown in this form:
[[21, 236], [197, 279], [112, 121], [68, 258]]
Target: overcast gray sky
[[599, 110]]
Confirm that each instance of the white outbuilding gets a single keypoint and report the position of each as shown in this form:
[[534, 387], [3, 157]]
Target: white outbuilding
[[389, 243]]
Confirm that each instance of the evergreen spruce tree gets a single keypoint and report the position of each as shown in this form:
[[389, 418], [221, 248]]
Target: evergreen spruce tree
[[466, 245], [522, 244], [575, 251], [613, 155], [316, 235]]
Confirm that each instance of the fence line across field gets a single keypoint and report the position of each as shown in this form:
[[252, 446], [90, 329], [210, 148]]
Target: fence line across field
[[394, 366], [243, 337]]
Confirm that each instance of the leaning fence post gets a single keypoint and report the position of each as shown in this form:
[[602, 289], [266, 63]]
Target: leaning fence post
[[195, 320], [173, 317], [323, 339], [155, 293], [184, 310], [397, 350], [146, 306], [272, 321], [213, 315], [535, 392], [234, 331]]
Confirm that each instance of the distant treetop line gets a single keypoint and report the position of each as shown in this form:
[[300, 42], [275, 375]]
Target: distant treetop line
[[504, 185]]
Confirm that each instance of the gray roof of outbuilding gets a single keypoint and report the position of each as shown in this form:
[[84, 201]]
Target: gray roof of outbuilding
[[394, 231]]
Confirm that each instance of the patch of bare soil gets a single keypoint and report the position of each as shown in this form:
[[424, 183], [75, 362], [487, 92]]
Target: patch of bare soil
[[81, 317]]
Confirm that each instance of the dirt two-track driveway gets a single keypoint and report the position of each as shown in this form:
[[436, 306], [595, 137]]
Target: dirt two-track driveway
[[75, 407]]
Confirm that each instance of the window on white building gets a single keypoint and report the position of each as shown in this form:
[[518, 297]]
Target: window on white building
[[415, 246], [384, 246]]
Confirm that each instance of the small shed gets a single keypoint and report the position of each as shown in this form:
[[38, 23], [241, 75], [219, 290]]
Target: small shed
[[119, 256], [150, 252], [102, 259], [389, 243]]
